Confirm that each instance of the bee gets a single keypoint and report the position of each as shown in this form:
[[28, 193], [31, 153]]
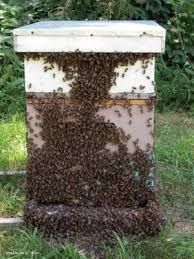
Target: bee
[[128, 136], [141, 109], [148, 146], [31, 130], [141, 87], [60, 89], [148, 122], [135, 142]]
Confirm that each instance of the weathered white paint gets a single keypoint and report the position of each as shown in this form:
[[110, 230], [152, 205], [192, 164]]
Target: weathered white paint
[[10, 223], [88, 44], [134, 78], [36, 80], [10, 173], [97, 36]]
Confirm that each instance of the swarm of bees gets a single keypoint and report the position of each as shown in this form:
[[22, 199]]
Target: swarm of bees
[[73, 167], [68, 222], [74, 156]]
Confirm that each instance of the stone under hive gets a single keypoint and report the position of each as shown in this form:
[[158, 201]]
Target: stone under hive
[[90, 125]]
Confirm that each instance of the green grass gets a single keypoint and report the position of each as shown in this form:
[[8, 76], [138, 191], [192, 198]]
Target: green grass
[[175, 171], [11, 196], [175, 156], [25, 243], [12, 157], [164, 246], [12, 143]]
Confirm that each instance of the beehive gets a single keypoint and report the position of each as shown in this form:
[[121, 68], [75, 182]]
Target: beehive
[[90, 122]]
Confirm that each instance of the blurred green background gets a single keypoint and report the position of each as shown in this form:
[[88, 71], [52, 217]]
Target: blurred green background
[[175, 69]]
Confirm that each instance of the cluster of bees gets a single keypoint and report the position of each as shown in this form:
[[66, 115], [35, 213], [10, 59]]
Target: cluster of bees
[[68, 222], [73, 167]]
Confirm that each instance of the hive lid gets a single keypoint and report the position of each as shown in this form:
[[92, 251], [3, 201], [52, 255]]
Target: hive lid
[[97, 36], [97, 28]]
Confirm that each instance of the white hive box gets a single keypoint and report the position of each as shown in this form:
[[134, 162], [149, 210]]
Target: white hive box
[[91, 36]]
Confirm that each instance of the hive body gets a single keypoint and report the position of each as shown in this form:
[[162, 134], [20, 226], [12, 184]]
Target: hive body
[[90, 122]]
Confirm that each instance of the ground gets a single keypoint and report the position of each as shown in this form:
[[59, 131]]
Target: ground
[[175, 173]]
